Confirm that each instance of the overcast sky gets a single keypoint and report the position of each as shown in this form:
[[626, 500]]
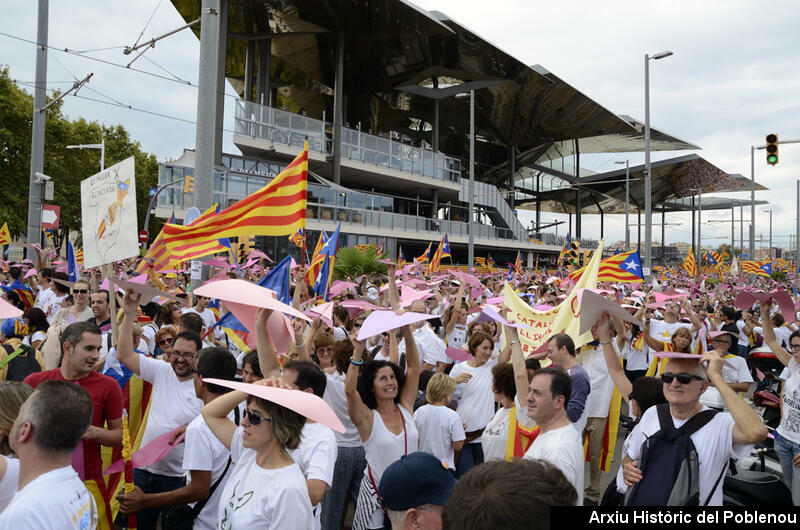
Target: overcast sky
[[735, 77]]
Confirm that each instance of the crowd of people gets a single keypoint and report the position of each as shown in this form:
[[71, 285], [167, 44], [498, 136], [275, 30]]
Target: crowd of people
[[450, 421]]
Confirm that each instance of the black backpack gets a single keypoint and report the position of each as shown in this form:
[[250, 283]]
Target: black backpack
[[669, 464], [22, 364]]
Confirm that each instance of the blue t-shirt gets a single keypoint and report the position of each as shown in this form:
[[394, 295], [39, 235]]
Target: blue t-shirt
[[580, 391]]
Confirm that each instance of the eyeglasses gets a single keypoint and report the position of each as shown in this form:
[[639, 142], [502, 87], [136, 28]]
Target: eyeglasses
[[357, 324], [184, 354], [795, 346], [683, 378], [255, 418], [80, 291], [166, 341], [721, 341]]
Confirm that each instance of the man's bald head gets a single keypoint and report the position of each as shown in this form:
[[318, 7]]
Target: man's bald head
[[690, 366], [417, 306]]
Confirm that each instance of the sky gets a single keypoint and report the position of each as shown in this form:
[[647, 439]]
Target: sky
[[734, 77]]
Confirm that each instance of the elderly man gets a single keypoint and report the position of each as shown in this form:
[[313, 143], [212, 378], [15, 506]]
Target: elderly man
[[726, 435], [414, 489], [735, 371]]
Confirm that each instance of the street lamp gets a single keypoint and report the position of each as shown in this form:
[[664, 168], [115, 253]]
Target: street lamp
[[769, 252], [627, 201], [101, 146], [648, 229]]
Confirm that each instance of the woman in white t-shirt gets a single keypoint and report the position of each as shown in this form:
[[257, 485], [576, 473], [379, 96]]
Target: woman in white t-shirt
[[476, 404], [266, 488], [455, 321], [380, 401], [501, 439], [440, 431], [37, 327], [787, 435]]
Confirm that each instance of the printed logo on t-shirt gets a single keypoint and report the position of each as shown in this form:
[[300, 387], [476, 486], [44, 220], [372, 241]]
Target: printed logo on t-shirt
[[791, 415], [235, 502]]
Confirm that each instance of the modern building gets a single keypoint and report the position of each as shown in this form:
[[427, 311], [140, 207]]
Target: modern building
[[417, 127]]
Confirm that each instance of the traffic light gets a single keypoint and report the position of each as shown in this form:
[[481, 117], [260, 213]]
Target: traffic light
[[188, 184], [572, 253], [772, 149]]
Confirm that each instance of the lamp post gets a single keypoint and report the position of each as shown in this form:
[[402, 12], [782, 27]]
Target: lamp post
[[648, 229], [101, 146], [769, 251], [627, 202]]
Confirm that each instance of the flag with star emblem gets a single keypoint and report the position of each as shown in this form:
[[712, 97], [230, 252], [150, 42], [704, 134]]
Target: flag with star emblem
[[624, 267], [761, 268]]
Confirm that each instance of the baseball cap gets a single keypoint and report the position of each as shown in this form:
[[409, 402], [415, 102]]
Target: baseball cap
[[416, 479]]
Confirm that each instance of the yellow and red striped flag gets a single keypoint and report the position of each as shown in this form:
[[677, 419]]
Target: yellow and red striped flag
[[424, 256], [277, 209], [5, 234], [299, 238], [316, 259], [442, 251], [165, 258], [761, 268], [79, 257], [690, 264], [518, 263]]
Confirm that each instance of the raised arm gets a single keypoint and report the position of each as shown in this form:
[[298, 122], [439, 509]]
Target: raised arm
[[654, 343], [267, 358], [409, 391], [216, 413], [748, 426], [696, 324], [612, 362], [451, 323], [394, 296], [769, 335], [125, 352], [517, 362], [360, 414]]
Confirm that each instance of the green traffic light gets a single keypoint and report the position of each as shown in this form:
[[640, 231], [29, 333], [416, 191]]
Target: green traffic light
[[772, 159]]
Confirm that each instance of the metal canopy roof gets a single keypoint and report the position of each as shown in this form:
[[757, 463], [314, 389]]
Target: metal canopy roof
[[673, 179], [390, 44]]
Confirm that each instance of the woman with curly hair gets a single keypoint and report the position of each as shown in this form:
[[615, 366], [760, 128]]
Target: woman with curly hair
[[380, 401]]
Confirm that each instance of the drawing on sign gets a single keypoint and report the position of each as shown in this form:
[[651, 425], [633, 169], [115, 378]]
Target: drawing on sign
[[108, 204]]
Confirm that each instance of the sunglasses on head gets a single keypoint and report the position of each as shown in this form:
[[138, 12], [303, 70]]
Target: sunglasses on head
[[255, 418], [683, 378]]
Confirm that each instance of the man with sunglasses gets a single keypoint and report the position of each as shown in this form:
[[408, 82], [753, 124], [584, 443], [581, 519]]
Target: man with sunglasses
[[173, 403], [727, 435]]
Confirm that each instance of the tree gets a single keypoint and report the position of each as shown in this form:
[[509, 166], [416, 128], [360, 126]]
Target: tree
[[67, 167], [352, 263]]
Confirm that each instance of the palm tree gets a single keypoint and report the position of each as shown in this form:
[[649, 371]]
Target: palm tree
[[352, 263]]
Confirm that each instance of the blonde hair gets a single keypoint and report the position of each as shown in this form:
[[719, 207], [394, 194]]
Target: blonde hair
[[440, 388], [685, 333], [12, 395]]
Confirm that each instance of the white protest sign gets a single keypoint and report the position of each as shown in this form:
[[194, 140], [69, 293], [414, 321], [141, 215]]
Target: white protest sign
[[108, 204]]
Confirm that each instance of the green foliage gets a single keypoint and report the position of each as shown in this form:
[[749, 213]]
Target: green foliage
[[778, 275], [67, 167], [351, 263]]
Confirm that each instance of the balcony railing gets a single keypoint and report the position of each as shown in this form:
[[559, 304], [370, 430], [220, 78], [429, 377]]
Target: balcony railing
[[284, 128]]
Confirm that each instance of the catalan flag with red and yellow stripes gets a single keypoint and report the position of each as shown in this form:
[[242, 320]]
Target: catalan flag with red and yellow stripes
[[624, 267], [761, 268], [277, 209], [690, 264]]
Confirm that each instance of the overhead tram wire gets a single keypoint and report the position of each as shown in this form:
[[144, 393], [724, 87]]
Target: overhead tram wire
[[173, 79], [147, 23]]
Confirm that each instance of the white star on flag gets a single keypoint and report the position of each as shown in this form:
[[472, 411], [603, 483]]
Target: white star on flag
[[631, 265]]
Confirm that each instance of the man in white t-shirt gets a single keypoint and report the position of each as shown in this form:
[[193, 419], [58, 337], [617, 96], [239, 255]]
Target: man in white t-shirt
[[173, 404], [728, 435], [558, 443], [46, 432], [201, 308], [735, 372], [205, 458], [45, 294]]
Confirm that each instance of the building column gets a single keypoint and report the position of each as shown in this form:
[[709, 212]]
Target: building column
[[208, 136], [249, 67], [578, 197], [263, 91], [338, 117]]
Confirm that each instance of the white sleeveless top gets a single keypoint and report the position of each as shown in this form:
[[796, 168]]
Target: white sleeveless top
[[384, 447]]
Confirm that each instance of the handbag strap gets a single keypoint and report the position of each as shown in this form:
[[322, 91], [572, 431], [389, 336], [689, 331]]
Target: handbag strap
[[199, 505]]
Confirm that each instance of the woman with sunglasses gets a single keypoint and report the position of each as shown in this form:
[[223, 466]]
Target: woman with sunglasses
[[787, 435], [164, 339], [380, 401], [169, 315], [640, 394], [80, 310], [266, 488]]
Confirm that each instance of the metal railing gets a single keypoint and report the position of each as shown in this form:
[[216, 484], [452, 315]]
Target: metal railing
[[285, 128]]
